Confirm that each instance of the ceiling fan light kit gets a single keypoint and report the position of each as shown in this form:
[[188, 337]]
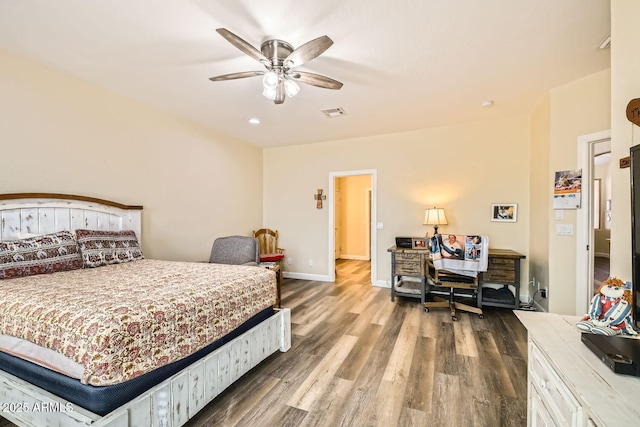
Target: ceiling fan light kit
[[279, 58]]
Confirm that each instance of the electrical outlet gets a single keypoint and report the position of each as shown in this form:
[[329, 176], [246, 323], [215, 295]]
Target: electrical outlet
[[543, 293], [310, 263], [289, 261]]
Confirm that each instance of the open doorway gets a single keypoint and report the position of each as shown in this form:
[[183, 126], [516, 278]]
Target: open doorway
[[601, 214], [353, 226], [589, 148], [352, 240]]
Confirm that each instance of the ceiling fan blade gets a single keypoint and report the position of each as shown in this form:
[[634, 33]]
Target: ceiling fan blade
[[316, 80], [308, 51], [240, 75], [243, 46]]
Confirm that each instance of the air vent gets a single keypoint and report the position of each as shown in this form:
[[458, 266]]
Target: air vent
[[333, 112]]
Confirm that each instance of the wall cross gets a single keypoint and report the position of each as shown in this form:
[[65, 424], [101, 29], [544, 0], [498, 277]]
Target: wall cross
[[319, 197]]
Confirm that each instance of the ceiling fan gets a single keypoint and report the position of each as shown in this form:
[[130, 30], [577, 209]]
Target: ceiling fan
[[280, 58]]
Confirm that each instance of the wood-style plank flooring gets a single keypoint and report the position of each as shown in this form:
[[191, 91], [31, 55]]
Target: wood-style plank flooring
[[600, 271], [358, 359]]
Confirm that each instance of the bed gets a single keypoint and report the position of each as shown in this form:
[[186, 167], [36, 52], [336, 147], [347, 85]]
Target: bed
[[120, 340]]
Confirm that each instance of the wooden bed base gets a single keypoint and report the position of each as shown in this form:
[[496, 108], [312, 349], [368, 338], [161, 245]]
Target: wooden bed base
[[171, 403]]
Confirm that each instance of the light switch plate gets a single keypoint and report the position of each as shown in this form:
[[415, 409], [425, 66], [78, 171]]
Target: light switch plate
[[564, 229]]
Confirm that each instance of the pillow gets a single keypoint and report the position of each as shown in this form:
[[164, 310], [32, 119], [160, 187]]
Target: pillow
[[100, 248], [271, 257], [48, 253]]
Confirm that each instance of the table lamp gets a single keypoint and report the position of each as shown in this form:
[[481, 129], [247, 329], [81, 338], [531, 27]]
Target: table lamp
[[435, 216]]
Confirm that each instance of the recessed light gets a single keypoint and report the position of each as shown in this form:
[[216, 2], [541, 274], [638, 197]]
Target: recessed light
[[254, 121], [487, 103]]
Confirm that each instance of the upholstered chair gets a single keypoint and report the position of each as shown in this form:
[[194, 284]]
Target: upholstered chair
[[237, 250]]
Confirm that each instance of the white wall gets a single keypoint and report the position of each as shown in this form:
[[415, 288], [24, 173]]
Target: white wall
[[62, 135]]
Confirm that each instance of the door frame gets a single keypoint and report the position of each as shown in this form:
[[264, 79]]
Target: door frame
[[584, 220], [332, 219]]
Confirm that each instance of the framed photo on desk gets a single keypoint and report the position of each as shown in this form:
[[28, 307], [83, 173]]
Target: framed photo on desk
[[418, 243]]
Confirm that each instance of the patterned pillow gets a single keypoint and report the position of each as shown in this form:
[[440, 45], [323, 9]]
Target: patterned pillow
[[100, 248], [48, 253]]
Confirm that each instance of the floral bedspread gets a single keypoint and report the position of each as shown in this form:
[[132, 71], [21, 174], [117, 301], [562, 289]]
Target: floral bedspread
[[123, 320]]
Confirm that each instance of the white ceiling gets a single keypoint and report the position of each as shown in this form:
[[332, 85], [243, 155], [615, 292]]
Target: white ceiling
[[405, 64]]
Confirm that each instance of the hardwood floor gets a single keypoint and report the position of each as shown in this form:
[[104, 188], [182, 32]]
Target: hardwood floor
[[600, 271], [358, 359]]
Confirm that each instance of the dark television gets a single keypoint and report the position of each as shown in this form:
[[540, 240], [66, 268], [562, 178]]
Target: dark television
[[635, 233]]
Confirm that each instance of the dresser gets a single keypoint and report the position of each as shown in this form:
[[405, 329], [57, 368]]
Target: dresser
[[568, 385], [408, 276]]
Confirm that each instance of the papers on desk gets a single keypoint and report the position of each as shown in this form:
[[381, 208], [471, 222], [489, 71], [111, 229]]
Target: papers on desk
[[460, 254]]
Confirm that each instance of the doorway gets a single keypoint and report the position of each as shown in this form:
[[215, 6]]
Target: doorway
[[352, 214], [589, 146], [601, 214]]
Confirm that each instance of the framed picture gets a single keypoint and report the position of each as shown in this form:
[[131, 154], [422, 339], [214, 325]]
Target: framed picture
[[418, 243], [504, 212]]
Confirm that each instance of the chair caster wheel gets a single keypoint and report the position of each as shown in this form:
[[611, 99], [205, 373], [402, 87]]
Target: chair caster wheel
[[481, 316], [454, 318], [426, 309]]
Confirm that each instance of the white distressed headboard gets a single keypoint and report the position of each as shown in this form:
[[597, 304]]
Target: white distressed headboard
[[41, 213]]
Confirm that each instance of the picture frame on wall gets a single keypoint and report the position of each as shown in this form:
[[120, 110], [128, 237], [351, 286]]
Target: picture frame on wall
[[418, 243], [504, 212]]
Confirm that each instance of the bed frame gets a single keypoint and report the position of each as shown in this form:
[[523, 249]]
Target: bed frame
[[172, 402]]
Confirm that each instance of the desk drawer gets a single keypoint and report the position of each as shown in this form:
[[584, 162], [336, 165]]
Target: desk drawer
[[409, 267], [500, 270], [408, 257]]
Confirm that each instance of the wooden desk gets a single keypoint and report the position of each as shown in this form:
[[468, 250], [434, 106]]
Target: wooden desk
[[503, 268]]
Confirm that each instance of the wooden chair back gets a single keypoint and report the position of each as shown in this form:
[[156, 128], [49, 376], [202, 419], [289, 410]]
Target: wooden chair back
[[267, 241]]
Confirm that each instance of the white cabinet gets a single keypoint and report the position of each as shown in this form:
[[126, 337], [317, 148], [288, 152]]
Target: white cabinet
[[555, 404], [567, 384]]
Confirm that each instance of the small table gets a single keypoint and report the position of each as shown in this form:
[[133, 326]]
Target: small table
[[408, 263], [274, 266]]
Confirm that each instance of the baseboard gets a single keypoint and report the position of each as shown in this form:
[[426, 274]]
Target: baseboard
[[305, 276], [355, 257], [601, 254], [382, 284]]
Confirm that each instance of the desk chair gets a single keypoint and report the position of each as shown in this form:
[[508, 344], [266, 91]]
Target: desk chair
[[447, 282]]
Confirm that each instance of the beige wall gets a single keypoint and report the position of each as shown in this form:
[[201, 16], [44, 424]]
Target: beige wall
[[63, 135], [460, 168], [539, 200], [578, 108], [625, 86]]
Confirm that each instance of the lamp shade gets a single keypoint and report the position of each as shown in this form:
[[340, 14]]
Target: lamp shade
[[435, 216]]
